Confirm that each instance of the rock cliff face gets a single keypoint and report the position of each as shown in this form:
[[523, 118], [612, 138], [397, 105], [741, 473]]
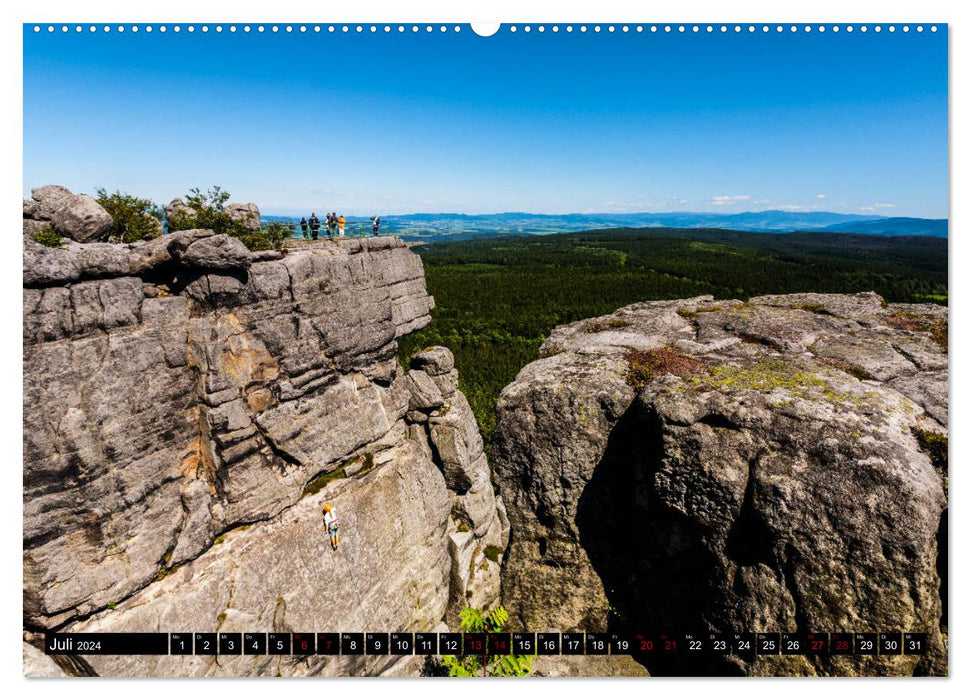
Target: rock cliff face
[[695, 465], [189, 406]]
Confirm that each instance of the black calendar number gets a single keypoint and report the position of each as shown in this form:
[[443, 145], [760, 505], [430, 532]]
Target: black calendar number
[[180, 643], [598, 643], [426, 643], [548, 643], [743, 645], [620, 644], [572, 643], [865, 643], [254, 643], [376, 643], [205, 643], [230, 643], [817, 644], [719, 643], [767, 643], [523, 643], [402, 643], [352, 643], [793, 644], [891, 643], [278, 643], [915, 642], [692, 643], [450, 643]]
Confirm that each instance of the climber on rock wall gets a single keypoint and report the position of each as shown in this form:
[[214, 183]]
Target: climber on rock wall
[[332, 525]]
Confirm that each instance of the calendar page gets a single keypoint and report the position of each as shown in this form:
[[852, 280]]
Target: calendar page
[[475, 350]]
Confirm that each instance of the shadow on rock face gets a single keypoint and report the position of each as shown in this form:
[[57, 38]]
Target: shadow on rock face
[[942, 572], [655, 565]]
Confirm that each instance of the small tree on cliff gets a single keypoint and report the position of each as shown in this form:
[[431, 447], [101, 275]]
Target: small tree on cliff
[[134, 218], [206, 210], [475, 620]]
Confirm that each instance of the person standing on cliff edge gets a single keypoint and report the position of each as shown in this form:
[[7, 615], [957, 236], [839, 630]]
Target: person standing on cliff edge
[[332, 524], [314, 226]]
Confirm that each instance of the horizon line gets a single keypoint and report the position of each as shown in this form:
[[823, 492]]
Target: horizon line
[[279, 212]]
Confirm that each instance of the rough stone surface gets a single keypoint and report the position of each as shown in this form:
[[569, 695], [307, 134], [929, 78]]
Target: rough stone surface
[[82, 219], [44, 265], [103, 259], [183, 427], [425, 394], [211, 266], [433, 361], [717, 466], [37, 664], [457, 443], [219, 252], [177, 207], [44, 200], [74, 216], [246, 214]]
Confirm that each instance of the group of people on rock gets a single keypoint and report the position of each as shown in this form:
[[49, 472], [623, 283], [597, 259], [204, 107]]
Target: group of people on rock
[[335, 225]]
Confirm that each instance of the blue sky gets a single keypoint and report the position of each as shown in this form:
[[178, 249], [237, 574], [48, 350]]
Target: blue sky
[[549, 123]]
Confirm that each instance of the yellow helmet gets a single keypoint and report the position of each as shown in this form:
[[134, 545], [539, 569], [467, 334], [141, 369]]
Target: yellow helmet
[[327, 507]]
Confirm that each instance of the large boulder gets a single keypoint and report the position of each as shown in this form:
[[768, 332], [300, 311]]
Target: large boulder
[[217, 252], [457, 442], [82, 219], [702, 466], [248, 214], [434, 361], [44, 201], [177, 208]]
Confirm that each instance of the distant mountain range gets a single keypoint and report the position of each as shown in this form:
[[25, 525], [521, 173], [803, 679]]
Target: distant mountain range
[[894, 226], [429, 227]]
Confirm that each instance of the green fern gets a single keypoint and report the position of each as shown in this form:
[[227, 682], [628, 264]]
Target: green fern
[[474, 620], [497, 619]]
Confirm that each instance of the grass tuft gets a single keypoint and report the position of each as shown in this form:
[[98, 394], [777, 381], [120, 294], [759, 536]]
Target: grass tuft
[[645, 365], [315, 486]]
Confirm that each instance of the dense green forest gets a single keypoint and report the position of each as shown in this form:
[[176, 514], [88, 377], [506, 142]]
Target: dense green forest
[[497, 299]]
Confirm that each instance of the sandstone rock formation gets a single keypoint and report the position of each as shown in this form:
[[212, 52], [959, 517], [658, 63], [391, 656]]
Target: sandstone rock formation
[[703, 466], [189, 407], [177, 207], [247, 214], [75, 216]]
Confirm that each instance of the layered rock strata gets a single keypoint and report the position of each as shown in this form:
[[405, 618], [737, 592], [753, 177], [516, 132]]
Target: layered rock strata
[[718, 466], [188, 408]]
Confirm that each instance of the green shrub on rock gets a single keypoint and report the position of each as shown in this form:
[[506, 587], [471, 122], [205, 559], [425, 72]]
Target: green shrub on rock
[[270, 236], [135, 218], [47, 236], [207, 210], [470, 665]]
